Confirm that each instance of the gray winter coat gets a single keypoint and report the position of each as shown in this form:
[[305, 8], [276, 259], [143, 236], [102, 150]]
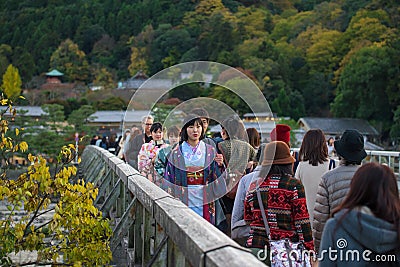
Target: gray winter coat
[[361, 239], [332, 189]]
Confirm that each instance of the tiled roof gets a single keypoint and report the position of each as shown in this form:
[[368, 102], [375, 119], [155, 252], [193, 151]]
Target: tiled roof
[[336, 126], [264, 128], [32, 111], [109, 116], [54, 73]]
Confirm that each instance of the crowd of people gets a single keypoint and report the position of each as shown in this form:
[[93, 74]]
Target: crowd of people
[[257, 193]]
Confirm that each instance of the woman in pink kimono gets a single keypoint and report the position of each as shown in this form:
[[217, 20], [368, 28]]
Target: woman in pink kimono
[[148, 152]]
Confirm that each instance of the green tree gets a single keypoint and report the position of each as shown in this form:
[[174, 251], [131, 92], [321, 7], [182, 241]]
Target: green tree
[[140, 51], [71, 61], [289, 25], [25, 63], [168, 47], [289, 104], [5, 57], [217, 36], [79, 118], [395, 129], [281, 103], [186, 91], [317, 95], [253, 22], [111, 103], [55, 115], [195, 20], [363, 86], [103, 78], [324, 54], [230, 98], [162, 111]]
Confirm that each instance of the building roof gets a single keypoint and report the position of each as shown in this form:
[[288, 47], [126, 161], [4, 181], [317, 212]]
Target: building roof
[[54, 73], [156, 83], [32, 111], [336, 126], [118, 116], [259, 115], [264, 128]]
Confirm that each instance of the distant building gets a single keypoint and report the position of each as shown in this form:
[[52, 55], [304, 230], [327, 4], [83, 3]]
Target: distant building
[[113, 121], [336, 126], [54, 76], [140, 78], [34, 112], [55, 88], [262, 122]]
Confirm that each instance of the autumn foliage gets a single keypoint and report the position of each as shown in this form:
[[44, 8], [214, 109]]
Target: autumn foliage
[[56, 218]]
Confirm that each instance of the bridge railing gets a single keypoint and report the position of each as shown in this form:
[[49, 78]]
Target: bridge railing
[[152, 227], [390, 158]]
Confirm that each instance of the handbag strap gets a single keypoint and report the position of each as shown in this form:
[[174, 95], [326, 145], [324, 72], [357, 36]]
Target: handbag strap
[[260, 203]]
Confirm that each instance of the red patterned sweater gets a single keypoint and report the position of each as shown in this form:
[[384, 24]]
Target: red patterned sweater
[[285, 208]]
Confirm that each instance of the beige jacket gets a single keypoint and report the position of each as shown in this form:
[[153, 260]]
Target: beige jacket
[[332, 190]]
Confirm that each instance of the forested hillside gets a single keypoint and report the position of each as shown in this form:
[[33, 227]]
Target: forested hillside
[[309, 58]]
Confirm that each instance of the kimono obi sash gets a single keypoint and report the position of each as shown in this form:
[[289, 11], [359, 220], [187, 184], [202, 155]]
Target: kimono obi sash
[[195, 175]]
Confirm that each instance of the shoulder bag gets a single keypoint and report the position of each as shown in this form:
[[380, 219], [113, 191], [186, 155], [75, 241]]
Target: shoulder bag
[[284, 253]]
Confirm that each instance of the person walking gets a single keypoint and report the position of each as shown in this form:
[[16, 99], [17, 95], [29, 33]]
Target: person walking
[[205, 118], [314, 162], [238, 156], [162, 156], [281, 132], [283, 199], [129, 155], [331, 148], [335, 184], [148, 152], [367, 223], [139, 140], [254, 140], [193, 176], [122, 142]]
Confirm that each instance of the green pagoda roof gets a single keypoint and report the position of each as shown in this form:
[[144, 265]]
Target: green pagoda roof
[[54, 73]]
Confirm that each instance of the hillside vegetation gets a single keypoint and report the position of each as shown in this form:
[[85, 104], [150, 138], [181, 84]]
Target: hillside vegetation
[[310, 58]]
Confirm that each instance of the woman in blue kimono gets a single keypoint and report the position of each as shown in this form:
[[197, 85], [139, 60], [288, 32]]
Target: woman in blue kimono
[[193, 176]]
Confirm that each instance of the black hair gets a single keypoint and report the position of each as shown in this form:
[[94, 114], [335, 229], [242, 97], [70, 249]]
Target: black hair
[[234, 128], [190, 120], [155, 127]]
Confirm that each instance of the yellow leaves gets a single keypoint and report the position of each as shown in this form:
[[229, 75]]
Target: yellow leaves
[[6, 143], [4, 191], [75, 220], [23, 146], [11, 83], [4, 102], [19, 231]]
